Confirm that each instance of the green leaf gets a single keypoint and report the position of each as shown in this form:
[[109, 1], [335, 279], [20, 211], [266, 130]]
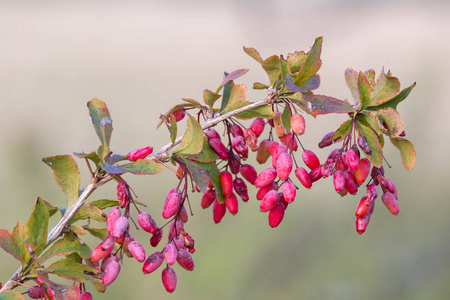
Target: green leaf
[[259, 86], [351, 78], [343, 130], [312, 63], [105, 203], [210, 97], [364, 90], [173, 129], [253, 53], [192, 141], [65, 246], [206, 155], [69, 269], [13, 243], [100, 233], [50, 208], [376, 158], [385, 89], [407, 152], [238, 94], [390, 117], [297, 99], [263, 111], [272, 67], [76, 229], [233, 75], [194, 103], [11, 295], [286, 118], [370, 75], [320, 105], [101, 119], [88, 211], [37, 226], [66, 174], [284, 67], [226, 94], [92, 156], [394, 101], [296, 60], [142, 167]]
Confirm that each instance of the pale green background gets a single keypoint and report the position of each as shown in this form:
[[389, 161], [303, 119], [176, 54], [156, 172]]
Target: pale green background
[[143, 57]]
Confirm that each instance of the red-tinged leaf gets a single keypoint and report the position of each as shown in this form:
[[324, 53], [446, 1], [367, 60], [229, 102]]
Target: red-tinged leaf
[[394, 101], [11, 295], [296, 60], [385, 89], [391, 119], [290, 85], [364, 91], [297, 99], [343, 130], [312, 84], [172, 110], [142, 167], [88, 211], [272, 67], [284, 67], [320, 105], [61, 292], [52, 209], [65, 246], [37, 226], [233, 75], [101, 119], [370, 75], [112, 169], [407, 152], [194, 103], [66, 174], [192, 141], [351, 78], [92, 156], [210, 97], [69, 269], [238, 94], [253, 53], [14, 243], [312, 63], [376, 158]]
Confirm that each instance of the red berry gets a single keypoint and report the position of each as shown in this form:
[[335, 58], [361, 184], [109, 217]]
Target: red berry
[[241, 189], [362, 143], [363, 207], [111, 272], [333, 153], [170, 253], [363, 170], [208, 198], [327, 140], [179, 114], [156, 238], [250, 139], [226, 181], [257, 126], [137, 251], [183, 214], [272, 146], [239, 146], [375, 173], [298, 124], [232, 203], [169, 279], [350, 183], [123, 194], [36, 292], [263, 153], [113, 215], [278, 124], [234, 163], [390, 202], [316, 173], [338, 181], [361, 223], [212, 134], [387, 185], [269, 201], [284, 166], [120, 227], [172, 204], [276, 153], [139, 153], [327, 168], [352, 159], [236, 130], [176, 228], [266, 177], [303, 176], [86, 296], [265, 189], [290, 141], [310, 159], [147, 223], [372, 192], [112, 256], [108, 242], [152, 262], [219, 210], [179, 242], [185, 259], [289, 191], [219, 148], [249, 173], [276, 215]]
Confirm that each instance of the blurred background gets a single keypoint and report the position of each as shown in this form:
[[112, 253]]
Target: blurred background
[[141, 58]]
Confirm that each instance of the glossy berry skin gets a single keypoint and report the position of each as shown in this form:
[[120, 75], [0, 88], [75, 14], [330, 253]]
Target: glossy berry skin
[[147, 223], [234, 163], [265, 189], [179, 114], [208, 198], [363, 171], [278, 124], [289, 191], [241, 189], [219, 210], [276, 215], [310, 159], [239, 146], [152, 262], [185, 260], [86, 296], [172, 204], [137, 251], [352, 159], [120, 227], [170, 253], [338, 181], [257, 126], [36, 292], [249, 173], [290, 141], [113, 215], [112, 256], [263, 153], [361, 223], [237, 130], [169, 279], [327, 140], [316, 173], [298, 124], [303, 177], [156, 238], [390, 202], [350, 183], [363, 207], [269, 201], [266, 177], [111, 272], [219, 148], [276, 153], [123, 194], [284, 166], [226, 181], [212, 134], [232, 203], [140, 153], [273, 145]]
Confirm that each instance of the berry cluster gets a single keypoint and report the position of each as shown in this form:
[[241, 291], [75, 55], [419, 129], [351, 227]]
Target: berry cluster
[[39, 292]]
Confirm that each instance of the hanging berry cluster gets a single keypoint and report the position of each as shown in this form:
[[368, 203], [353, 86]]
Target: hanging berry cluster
[[215, 165]]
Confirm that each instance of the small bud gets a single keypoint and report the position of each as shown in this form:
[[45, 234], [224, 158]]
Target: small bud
[[139, 153]]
